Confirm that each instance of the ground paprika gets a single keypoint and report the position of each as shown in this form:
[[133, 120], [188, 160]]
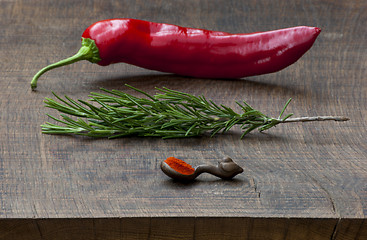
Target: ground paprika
[[180, 166]]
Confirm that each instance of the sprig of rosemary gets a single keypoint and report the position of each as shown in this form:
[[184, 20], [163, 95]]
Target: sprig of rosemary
[[168, 114]]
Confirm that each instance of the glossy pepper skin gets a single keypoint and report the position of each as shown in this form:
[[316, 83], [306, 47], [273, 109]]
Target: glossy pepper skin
[[196, 52]]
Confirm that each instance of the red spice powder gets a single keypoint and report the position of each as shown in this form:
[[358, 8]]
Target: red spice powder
[[180, 166]]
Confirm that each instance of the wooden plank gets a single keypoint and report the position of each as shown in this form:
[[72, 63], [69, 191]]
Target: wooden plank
[[310, 170], [182, 228], [351, 229], [19, 229]]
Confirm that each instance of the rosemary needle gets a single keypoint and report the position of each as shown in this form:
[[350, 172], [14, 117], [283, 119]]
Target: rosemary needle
[[168, 114]]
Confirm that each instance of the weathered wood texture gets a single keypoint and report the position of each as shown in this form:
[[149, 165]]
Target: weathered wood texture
[[313, 172], [183, 228]]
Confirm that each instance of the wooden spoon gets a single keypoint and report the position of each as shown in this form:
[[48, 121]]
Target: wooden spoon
[[225, 169]]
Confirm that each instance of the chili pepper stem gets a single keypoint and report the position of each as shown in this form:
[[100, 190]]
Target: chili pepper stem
[[89, 51]]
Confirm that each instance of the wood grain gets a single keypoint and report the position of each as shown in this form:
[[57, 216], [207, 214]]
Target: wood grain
[[306, 179], [183, 228]]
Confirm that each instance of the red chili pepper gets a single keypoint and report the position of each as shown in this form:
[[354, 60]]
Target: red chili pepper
[[188, 51]]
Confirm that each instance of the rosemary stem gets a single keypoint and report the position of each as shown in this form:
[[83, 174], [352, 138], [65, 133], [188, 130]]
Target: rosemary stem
[[316, 118], [169, 114]]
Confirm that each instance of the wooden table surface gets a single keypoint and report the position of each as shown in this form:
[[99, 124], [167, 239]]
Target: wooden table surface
[[300, 180]]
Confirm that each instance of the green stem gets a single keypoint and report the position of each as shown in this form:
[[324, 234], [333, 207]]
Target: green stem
[[89, 51], [313, 119]]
